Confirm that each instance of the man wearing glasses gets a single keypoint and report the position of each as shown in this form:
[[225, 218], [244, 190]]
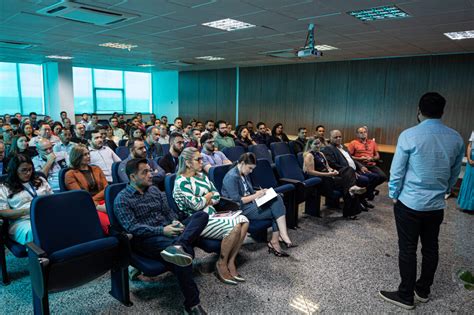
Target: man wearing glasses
[[49, 163], [365, 151], [7, 132], [211, 157]]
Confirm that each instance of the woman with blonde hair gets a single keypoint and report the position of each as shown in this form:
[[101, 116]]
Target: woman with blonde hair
[[83, 176], [193, 191]]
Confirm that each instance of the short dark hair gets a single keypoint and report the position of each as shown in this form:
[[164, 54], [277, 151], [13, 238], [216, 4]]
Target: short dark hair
[[133, 165], [33, 113], [300, 129], [14, 121], [85, 114], [63, 112], [260, 123], [131, 143], [209, 120], [221, 122], [319, 126], [113, 117], [178, 118], [89, 133], [248, 158], [206, 137], [173, 135], [432, 104], [249, 121]]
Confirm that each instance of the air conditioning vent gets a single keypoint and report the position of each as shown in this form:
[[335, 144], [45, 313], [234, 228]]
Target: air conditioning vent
[[85, 13], [15, 45], [177, 63]]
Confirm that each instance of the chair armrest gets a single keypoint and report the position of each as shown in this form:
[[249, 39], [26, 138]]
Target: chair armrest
[[290, 181], [36, 250]]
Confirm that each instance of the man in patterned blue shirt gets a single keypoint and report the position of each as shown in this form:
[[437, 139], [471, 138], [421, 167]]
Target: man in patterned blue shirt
[[143, 211], [426, 164]]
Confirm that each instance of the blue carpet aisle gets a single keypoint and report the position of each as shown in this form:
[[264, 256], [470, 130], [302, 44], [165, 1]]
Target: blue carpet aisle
[[339, 267]]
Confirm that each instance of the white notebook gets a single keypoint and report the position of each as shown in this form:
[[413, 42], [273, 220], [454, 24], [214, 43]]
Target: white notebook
[[269, 195]]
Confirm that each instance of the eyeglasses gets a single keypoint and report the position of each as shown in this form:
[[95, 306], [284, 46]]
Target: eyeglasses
[[25, 170]]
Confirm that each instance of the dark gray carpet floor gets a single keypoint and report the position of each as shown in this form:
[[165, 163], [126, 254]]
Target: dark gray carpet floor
[[339, 267]]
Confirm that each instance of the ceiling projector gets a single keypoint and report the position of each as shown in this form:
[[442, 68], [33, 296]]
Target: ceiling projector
[[308, 52]]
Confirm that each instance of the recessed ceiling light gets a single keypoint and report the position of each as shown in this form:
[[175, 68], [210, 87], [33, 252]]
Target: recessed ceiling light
[[325, 47], [118, 45], [228, 25], [460, 35], [210, 58], [379, 13], [145, 65], [59, 57]]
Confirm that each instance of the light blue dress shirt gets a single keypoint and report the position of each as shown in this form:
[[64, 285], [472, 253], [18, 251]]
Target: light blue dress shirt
[[426, 165]]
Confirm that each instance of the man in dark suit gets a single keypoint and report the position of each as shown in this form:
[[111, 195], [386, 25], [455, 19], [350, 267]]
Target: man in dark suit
[[338, 158]]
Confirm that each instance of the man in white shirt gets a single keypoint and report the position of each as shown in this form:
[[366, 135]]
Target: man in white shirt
[[118, 132], [49, 163], [164, 138], [94, 123], [101, 155], [65, 145], [46, 133]]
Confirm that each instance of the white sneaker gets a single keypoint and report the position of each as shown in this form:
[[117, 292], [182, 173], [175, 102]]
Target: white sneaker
[[357, 190]]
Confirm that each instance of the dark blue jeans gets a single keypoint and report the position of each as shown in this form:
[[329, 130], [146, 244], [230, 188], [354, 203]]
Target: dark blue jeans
[[152, 247], [412, 225]]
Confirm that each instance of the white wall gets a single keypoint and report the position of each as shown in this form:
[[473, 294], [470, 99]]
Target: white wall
[[165, 94]]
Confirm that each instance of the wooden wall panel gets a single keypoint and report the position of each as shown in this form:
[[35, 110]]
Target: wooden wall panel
[[380, 93], [207, 95]]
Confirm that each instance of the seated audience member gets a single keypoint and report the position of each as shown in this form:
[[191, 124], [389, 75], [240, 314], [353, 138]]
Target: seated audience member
[[263, 134], [79, 134], [138, 150], [3, 159], [83, 176], [339, 158], [111, 136], [152, 120], [15, 124], [56, 128], [94, 123], [194, 192], [195, 140], [300, 143], [110, 143], [200, 125], [84, 119], [249, 125], [169, 162], [222, 139], [210, 127], [49, 162], [210, 156], [1, 122], [45, 132], [153, 148], [320, 133], [7, 133], [101, 155], [164, 121], [230, 131], [21, 186], [365, 151], [28, 131], [278, 135], [143, 211], [135, 133], [316, 164], [7, 118], [33, 120], [65, 145], [68, 125], [20, 146], [164, 137], [244, 139], [157, 123], [118, 132], [18, 116], [187, 132], [177, 125], [238, 187]]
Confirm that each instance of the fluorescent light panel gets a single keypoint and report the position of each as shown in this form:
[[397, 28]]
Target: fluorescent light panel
[[118, 45], [210, 58], [59, 57], [460, 35], [379, 13], [228, 25], [145, 65], [325, 47]]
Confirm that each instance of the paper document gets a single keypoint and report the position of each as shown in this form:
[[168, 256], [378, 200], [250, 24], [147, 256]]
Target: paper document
[[269, 195]]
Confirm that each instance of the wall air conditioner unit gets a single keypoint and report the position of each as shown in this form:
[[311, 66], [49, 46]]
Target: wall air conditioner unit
[[85, 13]]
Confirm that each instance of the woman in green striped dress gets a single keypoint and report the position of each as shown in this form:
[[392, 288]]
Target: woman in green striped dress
[[193, 191]]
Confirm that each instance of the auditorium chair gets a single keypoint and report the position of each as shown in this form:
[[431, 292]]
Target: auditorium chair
[[261, 151], [115, 172], [122, 152], [257, 228], [122, 142], [233, 153], [61, 179], [263, 176], [18, 250], [166, 148], [279, 148], [306, 188], [69, 248]]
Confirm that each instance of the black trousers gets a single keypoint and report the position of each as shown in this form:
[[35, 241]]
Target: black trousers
[[411, 226], [345, 180]]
